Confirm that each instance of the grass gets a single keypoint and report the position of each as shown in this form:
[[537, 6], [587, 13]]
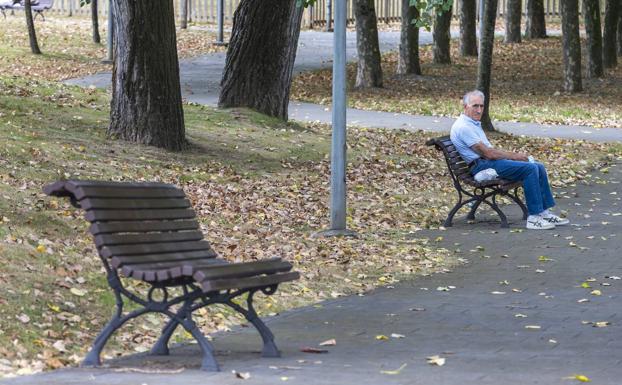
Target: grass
[[526, 86], [259, 186]]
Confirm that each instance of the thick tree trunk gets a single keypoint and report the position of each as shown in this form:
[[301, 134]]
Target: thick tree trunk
[[95, 22], [408, 61], [468, 37], [32, 34], [146, 97], [368, 70], [594, 43], [484, 63], [612, 10], [260, 57], [571, 45], [183, 14], [619, 39], [440, 35], [535, 27], [512, 21]]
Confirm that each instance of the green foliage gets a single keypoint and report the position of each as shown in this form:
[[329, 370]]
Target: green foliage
[[84, 2], [427, 10], [305, 3]]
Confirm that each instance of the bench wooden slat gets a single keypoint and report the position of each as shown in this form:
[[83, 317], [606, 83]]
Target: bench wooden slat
[[247, 269], [177, 269], [144, 259], [249, 282], [128, 192], [129, 239], [133, 215], [142, 227], [123, 203], [153, 248]]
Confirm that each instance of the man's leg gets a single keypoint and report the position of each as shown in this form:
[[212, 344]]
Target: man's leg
[[547, 196], [528, 173]]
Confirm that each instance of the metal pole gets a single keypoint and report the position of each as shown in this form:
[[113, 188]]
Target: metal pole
[[220, 15], [338, 150], [329, 15], [110, 34]]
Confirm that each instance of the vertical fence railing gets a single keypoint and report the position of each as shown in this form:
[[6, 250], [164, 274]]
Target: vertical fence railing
[[204, 11]]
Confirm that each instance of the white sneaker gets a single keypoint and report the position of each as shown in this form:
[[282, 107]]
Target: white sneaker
[[554, 219], [536, 222]]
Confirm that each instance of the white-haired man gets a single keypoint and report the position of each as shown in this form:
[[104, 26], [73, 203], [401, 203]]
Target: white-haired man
[[473, 145]]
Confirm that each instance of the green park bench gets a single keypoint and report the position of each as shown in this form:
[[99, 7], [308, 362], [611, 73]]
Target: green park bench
[[471, 192], [149, 232]]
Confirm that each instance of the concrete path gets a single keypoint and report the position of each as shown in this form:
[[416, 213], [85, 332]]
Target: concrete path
[[515, 313], [200, 79]]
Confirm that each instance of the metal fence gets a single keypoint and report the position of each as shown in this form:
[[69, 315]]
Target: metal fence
[[388, 11]]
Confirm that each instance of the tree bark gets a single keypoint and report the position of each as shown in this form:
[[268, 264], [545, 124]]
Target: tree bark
[[32, 34], [408, 61], [441, 38], [619, 32], [594, 42], [571, 45], [368, 70], [468, 37], [146, 102], [484, 63], [535, 27], [183, 14], [512, 21], [95, 22], [612, 9], [260, 57]]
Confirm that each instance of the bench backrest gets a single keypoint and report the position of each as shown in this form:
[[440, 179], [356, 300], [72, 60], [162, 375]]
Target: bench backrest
[[458, 168], [148, 230]]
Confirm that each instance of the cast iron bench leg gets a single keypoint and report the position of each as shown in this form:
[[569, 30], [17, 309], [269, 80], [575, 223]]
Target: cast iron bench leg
[[209, 362], [160, 348]]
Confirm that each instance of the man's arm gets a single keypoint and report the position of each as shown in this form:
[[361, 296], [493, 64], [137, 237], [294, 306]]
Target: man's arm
[[494, 154]]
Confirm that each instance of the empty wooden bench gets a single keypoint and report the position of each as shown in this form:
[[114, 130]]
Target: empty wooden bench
[[476, 192], [149, 232]]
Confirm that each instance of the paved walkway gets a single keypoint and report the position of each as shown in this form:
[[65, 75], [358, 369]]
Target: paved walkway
[[200, 79], [507, 317]]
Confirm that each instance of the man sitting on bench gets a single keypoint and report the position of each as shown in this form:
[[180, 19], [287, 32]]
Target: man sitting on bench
[[473, 145]]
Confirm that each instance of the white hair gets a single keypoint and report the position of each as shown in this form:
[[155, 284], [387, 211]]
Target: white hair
[[467, 97]]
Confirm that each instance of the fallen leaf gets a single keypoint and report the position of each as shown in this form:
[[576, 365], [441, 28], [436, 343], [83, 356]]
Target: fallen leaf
[[436, 360], [241, 375], [394, 372], [395, 335], [331, 342], [381, 337], [533, 327], [596, 292], [78, 292], [308, 349]]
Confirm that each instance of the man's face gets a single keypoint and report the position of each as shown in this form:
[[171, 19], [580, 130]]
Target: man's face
[[474, 108]]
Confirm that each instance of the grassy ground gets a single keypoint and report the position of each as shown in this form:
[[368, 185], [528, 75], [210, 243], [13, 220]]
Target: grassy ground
[[259, 186], [526, 86]]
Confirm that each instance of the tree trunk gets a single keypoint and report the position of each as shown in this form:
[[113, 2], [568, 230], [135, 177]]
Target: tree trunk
[[535, 27], [484, 63], [368, 70], [408, 62], [512, 21], [32, 34], [183, 14], [146, 96], [594, 42], [260, 57], [612, 9], [619, 32], [95, 22], [468, 37], [441, 38], [571, 45]]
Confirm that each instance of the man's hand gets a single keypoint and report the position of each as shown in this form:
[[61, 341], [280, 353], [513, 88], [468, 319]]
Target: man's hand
[[494, 154]]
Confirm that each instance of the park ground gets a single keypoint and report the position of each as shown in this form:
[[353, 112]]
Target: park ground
[[260, 187]]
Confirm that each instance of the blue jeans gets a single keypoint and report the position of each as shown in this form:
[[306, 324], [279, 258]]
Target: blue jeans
[[533, 175]]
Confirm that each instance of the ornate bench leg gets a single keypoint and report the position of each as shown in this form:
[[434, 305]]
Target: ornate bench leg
[[474, 208], [209, 361], [92, 358], [504, 219], [269, 347], [518, 201], [160, 348]]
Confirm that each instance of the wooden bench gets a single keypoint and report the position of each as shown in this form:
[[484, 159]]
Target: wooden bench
[[477, 192], [149, 232]]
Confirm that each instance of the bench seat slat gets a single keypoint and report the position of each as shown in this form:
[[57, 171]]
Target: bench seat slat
[[142, 227], [238, 270], [249, 282], [153, 248], [132, 215], [122, 203], [179, 257], [128, 192], [130, 239], [176, 269]]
